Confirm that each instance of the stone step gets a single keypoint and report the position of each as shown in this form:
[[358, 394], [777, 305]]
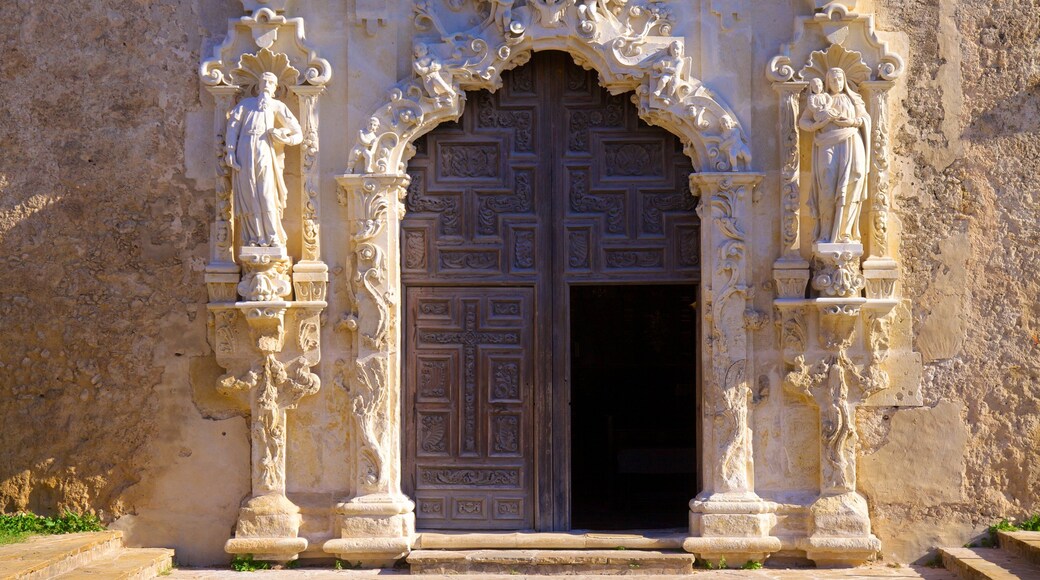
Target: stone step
[[546, 562], [42, 557], [1023, 544], [988, 564], [125, 564]]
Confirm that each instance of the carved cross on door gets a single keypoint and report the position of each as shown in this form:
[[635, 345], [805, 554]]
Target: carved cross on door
[[470, 338]]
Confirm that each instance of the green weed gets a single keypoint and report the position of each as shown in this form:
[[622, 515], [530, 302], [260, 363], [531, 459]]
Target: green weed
[[751, 565], [17, 527], [246, 563]]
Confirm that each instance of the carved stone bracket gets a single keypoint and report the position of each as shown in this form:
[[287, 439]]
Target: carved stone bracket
[[728, 520], [268, 375], [269, 341], [376, 525]]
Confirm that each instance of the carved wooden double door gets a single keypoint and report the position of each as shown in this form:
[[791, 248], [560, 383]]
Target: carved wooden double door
[[549, 182]]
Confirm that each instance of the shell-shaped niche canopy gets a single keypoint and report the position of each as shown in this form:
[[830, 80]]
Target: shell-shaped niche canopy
[[837, 56], [252, 66]]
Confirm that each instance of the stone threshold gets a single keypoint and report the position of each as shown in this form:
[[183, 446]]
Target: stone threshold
[[574, 540]]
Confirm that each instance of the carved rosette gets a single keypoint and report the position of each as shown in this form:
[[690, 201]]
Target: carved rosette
[[270, 339]]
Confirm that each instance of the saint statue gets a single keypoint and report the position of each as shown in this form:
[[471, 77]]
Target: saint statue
[[840, 121], [257, 132]]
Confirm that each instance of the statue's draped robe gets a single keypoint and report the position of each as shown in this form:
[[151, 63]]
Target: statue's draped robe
[[839, 185], [259, 185]]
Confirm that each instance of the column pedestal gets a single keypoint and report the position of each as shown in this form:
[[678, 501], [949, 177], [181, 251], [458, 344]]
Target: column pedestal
[[375, 530]]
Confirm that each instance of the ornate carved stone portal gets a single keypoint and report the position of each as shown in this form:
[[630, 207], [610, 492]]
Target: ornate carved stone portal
[[843, 339]]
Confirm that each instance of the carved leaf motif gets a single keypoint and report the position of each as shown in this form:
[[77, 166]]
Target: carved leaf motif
[[447, 206], [433, 379], [507, 381], [632, 159], [471, 477], [507, 434], [517, 201], [634, 259], [415, 250], [520, 121], [434, 434], [578, 257], [523, 252], [584, 202], [689, 247], [463, 260], [469, 160], [613, 115], [655, 205]]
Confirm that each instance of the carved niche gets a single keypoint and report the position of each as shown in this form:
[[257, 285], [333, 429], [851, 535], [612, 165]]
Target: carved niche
[[832, 84], [265, 277]]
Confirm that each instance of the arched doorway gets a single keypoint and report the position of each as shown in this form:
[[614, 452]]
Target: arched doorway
[[550, 261]]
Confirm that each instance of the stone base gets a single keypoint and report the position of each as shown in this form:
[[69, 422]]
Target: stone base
[[539, 563], [735, 529], [279, 550], [841, 552], [268, 526], [375, 531], [840, 531]]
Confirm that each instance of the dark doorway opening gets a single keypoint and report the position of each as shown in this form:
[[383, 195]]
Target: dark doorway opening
[[633, 396]]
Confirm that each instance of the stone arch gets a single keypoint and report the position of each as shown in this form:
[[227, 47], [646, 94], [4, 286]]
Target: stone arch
[[630, 50]]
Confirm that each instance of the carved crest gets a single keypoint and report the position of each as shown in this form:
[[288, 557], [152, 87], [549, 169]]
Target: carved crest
[[252, 66], [837, 56]]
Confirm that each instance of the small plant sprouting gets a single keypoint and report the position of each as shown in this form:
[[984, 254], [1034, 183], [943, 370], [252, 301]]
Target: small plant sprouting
[[751, 565], [246, 563]]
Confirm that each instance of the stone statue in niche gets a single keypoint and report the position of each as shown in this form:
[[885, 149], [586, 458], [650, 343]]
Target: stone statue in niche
[[257, 131], [839, 119]]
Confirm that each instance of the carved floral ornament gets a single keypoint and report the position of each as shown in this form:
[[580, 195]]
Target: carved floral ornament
[[626, 42]]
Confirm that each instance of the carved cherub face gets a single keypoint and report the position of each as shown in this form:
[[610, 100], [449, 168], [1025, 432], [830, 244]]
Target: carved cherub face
[[420, 50], [373, 125], [268, 84], [676, 49], [727, 123], [835, 80], [816, 86]]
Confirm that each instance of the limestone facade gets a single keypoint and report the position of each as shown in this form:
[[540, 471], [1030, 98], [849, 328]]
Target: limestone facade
[[839, 420]]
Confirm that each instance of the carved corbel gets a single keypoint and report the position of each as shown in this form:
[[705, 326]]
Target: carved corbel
[[269, 340]]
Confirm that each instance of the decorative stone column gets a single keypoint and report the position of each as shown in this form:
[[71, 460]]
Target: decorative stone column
[[880, 270], [268, 523], [265, 336], [377, 524], [728, 520]]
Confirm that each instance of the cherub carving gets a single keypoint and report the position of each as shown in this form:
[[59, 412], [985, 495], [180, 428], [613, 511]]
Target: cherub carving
[[368, 150], [733, 145], [670, 71], [434, 79]]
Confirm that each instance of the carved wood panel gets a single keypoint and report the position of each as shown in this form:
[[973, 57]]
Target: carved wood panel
[[548, 181], [471, 353]]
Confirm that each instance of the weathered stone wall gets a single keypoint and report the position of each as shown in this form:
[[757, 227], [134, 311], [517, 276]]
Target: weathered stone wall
[[103, 230], [968, 147]]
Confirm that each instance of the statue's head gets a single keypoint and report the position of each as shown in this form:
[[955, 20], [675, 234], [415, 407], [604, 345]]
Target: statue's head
[[816, 85], [268, 83], [727, 122], [836, 80], [676, 48], [373, 124], [420, 50]]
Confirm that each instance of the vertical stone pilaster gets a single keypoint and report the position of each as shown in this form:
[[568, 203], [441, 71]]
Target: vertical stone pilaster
[[310, 274], [879, 268], [222, 273], [728, 520], [376, 525]]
